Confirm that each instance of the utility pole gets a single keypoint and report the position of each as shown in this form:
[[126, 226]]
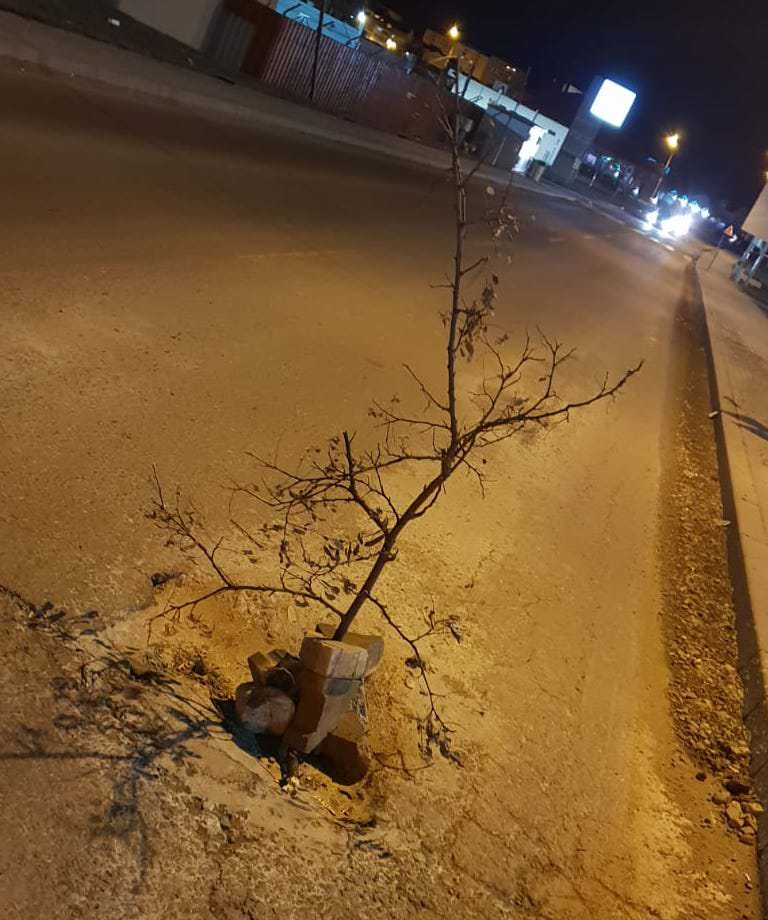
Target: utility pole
[[318, 39], [673, 142]]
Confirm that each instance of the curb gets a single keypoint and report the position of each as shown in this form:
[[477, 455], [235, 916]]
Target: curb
[[751, 634]]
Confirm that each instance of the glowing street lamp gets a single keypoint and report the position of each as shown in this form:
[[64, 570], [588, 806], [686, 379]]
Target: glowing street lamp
[[362, 18], [673, 143], [391, 44], [453, 33]]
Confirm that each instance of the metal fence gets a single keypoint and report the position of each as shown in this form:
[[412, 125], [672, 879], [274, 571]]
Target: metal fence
[[344, 75], [365, 84]]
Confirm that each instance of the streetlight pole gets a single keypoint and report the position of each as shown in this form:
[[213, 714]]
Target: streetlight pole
[[318, 39], [673, 142]]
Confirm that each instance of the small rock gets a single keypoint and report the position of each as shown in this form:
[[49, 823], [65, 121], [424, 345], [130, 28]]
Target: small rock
[[292, 786], [259, 665], [733, 814], [199, 667], [139, 668], [752, 808], [747, 839], [737, 786], [739, 749], [701, 776], [721, 797], [211, 824], [263, 710]]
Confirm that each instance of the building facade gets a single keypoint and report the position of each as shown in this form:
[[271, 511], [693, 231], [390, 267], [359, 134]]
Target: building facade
[[439, 50]]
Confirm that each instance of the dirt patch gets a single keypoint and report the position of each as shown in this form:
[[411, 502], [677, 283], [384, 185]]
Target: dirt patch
[[123, 783], [699, 619]]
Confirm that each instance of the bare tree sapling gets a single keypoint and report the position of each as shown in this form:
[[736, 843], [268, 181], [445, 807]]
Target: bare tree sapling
[[334, 523]]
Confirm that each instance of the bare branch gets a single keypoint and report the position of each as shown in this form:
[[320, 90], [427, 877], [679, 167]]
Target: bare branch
[[436, 728]]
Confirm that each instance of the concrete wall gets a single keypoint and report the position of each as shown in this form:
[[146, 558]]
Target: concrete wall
[[185, 20]]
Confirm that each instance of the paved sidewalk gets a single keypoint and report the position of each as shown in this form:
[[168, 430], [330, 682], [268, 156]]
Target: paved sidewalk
[[24, 41], [738, 332]]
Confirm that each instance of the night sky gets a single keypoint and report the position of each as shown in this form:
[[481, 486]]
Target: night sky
[[700, 68]]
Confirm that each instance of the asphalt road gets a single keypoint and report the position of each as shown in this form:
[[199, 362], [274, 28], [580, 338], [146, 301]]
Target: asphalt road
[[176, 293]]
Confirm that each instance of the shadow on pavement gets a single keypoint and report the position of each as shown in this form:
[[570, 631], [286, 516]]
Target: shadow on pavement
[[752, 425]]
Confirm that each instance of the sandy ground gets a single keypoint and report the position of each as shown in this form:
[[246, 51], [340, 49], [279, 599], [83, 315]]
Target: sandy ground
[[177, 293]]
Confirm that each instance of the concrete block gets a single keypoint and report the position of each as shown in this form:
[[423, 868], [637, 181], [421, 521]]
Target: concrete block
[[373, 645], [322, 703], [345, 750], [333, 659]]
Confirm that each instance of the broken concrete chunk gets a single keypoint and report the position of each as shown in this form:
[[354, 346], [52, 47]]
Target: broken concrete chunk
[[373, 645], [259, 665], [345, 750], [721, 797], [753, 808], [333, 659], [276, 669], [263, 710], [733, 814], [322, 703]]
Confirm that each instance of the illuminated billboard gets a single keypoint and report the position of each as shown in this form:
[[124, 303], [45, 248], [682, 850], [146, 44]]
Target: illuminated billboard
[[612, 103]]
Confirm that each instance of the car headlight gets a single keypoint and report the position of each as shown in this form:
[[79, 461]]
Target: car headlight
[[677, 225], [652, 218]]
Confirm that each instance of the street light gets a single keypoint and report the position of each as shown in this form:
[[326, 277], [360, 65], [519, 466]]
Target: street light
[[673, 142], [362, 18], [391, 44], [453, 33]]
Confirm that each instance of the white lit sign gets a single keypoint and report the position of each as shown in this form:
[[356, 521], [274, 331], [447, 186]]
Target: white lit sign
[[612, 103]]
